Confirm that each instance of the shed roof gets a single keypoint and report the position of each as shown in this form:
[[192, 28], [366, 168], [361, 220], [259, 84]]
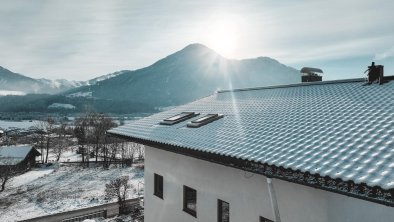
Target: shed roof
[[340, 129], [11, 155]]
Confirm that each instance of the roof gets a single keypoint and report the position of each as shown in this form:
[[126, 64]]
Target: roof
[[340, 129], [11, 155]]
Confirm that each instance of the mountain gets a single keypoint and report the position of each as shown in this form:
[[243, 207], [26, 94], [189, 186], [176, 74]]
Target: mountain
[[103, 77], [189, 74], [14, 83], [17, 84]]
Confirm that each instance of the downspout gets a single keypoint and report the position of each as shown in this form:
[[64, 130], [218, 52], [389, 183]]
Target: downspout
[[274, 202]]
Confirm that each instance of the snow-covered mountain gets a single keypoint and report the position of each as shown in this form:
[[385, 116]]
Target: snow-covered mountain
[[17, 84], [104, 77], [191, 73]]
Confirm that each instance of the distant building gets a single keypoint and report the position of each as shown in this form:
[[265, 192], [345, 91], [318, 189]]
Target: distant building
[[318, 152], [18, 157]]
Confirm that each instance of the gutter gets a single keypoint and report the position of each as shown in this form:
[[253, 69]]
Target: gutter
[[359, 191], [274, 202]]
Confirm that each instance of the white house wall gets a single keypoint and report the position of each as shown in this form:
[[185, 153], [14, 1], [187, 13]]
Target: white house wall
[[247, 194]]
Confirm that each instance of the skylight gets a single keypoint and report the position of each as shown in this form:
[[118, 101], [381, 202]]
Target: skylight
[[204, 120], [178, 118]]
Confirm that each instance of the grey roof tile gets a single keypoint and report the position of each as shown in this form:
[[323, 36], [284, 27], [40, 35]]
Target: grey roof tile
[[341, 130]]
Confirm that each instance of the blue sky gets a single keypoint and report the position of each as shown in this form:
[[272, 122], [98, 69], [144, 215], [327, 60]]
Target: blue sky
[[84, 39]]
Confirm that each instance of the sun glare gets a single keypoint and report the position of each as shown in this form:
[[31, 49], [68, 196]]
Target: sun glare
[[222, 37]]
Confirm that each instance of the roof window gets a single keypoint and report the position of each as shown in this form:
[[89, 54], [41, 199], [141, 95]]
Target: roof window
[[204, 120], [178, 118]]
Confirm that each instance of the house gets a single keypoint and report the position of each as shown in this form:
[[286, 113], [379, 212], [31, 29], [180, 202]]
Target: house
[[318, 151], [20, 158]]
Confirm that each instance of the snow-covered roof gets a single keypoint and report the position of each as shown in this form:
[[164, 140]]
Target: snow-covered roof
[[11, 155], [341, 129]]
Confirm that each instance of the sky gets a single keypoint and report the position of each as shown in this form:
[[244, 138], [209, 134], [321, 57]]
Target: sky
[[80, 40]]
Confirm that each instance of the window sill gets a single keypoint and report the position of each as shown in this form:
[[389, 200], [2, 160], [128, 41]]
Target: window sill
[[156, 195], [191, 212]]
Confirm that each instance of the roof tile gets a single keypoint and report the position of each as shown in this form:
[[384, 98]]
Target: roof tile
[[341, 130]]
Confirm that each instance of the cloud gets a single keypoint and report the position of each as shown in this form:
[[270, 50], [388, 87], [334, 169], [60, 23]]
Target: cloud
[[385, 54], [83, 39]]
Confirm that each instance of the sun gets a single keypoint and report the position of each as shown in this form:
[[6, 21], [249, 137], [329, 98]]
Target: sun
[[222, 37]]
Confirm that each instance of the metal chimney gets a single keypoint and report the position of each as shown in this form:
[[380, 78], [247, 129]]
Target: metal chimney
[[310, 74], [375, 73]]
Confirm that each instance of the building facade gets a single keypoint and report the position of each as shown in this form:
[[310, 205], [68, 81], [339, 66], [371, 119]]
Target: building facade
[[247, 194]]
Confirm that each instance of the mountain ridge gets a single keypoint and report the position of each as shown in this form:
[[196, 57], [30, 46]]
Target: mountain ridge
[[191, 73], [16, 82], [195, 69]]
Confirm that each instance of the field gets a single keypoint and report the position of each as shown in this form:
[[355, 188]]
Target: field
[[18, 124], [55, 189]]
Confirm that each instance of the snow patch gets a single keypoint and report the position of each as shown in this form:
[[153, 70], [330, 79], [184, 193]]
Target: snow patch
[[30, 177], [11, 93], [61, 106], [80, 94]]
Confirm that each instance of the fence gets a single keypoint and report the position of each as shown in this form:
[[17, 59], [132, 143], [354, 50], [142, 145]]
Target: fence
[[105, 210]]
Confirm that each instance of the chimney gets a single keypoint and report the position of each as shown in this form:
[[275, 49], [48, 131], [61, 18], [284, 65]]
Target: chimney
[[375, 73], [310, 74]]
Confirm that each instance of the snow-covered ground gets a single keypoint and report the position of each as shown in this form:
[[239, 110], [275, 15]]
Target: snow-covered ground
[[18, 124], [115, 219], [29, 177], [68, 155], [52, 190]]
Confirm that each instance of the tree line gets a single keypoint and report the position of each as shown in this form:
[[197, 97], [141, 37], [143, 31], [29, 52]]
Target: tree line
[[86, 136]]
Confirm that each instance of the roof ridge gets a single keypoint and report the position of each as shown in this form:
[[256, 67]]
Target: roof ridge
[[294, 85]]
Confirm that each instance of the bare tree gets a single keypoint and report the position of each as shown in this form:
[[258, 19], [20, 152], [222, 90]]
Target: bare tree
[[62, 141], [6, 173], [39, 139], [101, 123], [118, 188], [45, 128], [90, 131], [49, 125], [81, 131], [60, 145], [140, 150]]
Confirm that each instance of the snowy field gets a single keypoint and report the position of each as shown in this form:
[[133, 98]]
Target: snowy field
[[52, 190], [18, 124]]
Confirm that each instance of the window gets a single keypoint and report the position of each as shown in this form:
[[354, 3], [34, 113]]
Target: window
[[263, 219], [204, 120], [190, 201], [178, 118], [223, 211], [158, 186]]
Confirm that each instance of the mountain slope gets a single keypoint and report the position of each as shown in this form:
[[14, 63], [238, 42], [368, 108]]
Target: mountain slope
[[191, 73], [10, 81]]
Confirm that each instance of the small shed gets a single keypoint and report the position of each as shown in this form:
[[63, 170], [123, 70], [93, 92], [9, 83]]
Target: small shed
[[21, 157]]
